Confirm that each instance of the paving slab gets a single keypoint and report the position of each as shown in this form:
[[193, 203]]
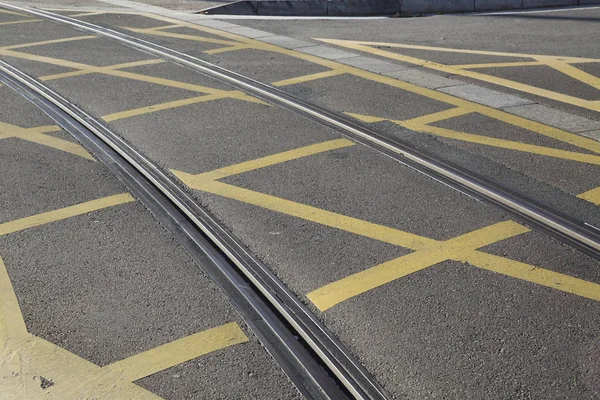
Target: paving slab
[[420, 77], [550, 116], [488, 97], [373, 64], [331, 53]]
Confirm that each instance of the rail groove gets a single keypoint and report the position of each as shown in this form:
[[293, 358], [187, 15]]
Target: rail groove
[[564, 227], [316, 362]]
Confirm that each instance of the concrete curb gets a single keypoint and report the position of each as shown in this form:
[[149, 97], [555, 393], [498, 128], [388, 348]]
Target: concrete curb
[[380, 7]]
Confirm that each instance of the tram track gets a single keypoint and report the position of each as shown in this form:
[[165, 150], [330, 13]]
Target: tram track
[[572, 231], [315, 361]]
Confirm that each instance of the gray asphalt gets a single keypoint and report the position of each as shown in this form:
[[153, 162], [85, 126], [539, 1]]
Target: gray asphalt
[[449, 331]]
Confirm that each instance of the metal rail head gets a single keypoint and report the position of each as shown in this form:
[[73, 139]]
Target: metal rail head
[[565, 228]]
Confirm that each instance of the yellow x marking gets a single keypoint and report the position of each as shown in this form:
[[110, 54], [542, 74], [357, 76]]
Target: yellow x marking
[[427, 252]]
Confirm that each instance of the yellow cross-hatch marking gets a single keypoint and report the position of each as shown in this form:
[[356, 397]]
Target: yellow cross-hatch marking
[[26, 357], [427, 252], [561, 64]]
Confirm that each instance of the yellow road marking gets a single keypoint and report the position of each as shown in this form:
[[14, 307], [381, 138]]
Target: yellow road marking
[[227, 49], [573, 72], [593, 196], [366, 47], [159, 107], [274, 159], [417, 124], [110, 67], [498, 65], [38, 135], [23, 21], [64, 213], [308, 78], [428, 251], [478, 52], [45, 42], [26, 357], [437, 252], [9, 12], [159, 32], [87, 14], [11, 320], [426, 119], [179, 351]]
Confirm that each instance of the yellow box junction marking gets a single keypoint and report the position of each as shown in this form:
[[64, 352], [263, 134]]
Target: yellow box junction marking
[[38, 135], [427, 252], [26, 357], [561, 64]]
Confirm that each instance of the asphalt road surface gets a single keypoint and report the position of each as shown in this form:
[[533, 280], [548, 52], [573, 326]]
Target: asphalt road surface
[[435, 292]]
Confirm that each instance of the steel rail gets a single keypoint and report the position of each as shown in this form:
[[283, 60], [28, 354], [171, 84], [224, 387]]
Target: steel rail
[[577, 233], [318, 364]]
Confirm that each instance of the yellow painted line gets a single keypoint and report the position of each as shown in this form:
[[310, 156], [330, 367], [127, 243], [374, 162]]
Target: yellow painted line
[[87, 14], [12, 324], [309, 78], [535, 275], [160, 32], [593, 196], [484, 140], [45, 42], [549, 131], [431, 118], [110, 67], [308, 213], [466, 51], [364, 281], [178, 351], [271, 160], [506, 144], [64, 213], [9, 12], [38, 135], [228, 49], [160, 107], [573, 72], [366, 47], [498, 65], [23, 21]]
